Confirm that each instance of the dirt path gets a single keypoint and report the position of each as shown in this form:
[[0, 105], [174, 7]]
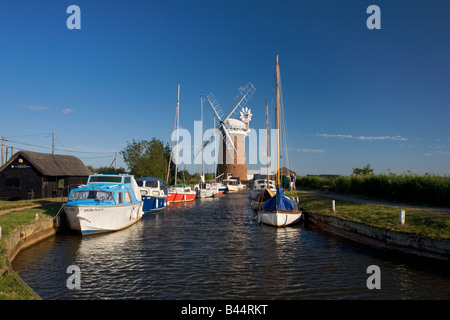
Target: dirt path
[[359, 199]]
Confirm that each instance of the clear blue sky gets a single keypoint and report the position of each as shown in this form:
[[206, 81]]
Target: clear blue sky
[[352, 96]]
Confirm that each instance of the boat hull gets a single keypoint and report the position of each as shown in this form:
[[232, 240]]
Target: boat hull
[[279, 218], [180, 197], [154, 203], [96, 219], [233, 188], [205, 193]]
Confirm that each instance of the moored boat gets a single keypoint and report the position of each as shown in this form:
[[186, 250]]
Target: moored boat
[[180, 193], [105, 203], [204, 190], [279, 210], [153, 192], [232, 185], [219, 188], [259, 185]]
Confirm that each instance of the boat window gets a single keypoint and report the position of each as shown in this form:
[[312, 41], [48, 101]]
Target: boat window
[[91, 194], [140, 183], [107, 179], [143, 192], [119, 199], [127, 197], [155, 193], [152, 184], [127, 180]]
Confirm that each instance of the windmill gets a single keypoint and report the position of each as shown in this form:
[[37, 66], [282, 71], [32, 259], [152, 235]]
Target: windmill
[[232, 158]]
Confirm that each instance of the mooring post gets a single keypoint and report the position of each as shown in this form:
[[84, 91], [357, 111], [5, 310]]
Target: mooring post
[[0, 232], [401, 216], [333, 205]]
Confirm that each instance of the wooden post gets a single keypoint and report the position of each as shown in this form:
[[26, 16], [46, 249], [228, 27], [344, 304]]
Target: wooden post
[[0, 232], [53, 143], [333, 205], [401, 216], [3, 150]]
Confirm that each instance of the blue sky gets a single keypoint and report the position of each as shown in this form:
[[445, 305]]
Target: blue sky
[[352, 96]]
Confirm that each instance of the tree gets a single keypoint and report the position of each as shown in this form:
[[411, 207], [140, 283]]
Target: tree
[[146, 158], [367, 170]]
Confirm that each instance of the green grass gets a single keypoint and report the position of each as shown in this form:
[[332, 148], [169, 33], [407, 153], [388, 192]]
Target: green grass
[[6, 205], [10, 288], [423, 222]]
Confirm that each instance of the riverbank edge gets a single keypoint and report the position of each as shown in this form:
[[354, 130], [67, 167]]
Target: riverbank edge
[[24, 237], [384, 239]]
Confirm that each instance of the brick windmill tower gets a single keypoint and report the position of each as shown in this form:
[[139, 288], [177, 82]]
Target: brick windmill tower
[[232, 156]]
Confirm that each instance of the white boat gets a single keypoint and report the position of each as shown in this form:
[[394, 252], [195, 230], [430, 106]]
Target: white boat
[[219, 188], [279, 210], [204, 190], [153, 193], [105, 203], [259, 185], [233, 184]]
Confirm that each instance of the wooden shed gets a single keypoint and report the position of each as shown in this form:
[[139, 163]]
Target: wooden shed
[[34, 175]]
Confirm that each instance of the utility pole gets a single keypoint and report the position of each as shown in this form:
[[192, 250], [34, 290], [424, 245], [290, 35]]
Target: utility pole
[[3, 150], [53, 143]]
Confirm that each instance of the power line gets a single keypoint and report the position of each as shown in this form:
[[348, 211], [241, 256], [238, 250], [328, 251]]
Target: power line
[[75, 151]]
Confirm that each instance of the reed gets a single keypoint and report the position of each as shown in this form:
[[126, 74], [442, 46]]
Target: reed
[[415, 189]]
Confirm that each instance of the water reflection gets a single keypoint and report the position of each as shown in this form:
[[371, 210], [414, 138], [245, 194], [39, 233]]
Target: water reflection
[[215, 249]]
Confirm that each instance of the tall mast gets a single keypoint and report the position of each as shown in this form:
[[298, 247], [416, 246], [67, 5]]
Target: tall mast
[[278, 121], [215, 150], [178, 122], [203, 168], [267, 138]]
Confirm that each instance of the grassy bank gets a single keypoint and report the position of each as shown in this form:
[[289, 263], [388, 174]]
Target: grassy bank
[[423, 222], [410, 188], [10, 288]]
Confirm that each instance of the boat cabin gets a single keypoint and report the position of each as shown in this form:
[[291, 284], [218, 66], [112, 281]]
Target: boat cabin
[[106, 190], [150, 186]]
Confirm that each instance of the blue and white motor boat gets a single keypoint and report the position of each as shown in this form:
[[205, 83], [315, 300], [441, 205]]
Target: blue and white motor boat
[[153, 192], [105, 203]]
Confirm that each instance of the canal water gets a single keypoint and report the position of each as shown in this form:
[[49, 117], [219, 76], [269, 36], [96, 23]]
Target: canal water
[[215, 249]]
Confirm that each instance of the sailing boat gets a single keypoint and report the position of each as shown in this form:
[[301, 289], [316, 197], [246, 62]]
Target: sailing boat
[[279, 211], [203, 189], [263, 189], [180, 192]]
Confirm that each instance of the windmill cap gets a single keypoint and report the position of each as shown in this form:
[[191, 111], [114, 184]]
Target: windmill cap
[[235, 124]]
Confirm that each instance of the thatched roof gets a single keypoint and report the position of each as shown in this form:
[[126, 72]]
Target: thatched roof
[[52, 164]]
